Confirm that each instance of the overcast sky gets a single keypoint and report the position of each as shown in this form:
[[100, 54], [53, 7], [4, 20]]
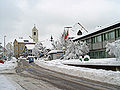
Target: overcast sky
[[17, 17]]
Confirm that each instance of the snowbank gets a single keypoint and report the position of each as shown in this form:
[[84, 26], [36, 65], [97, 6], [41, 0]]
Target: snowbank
[[112, 77], [105, 61], [8, 64]]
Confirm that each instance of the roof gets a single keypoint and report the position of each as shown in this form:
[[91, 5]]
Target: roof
[[99, 30], [30, 46], [23, 40]]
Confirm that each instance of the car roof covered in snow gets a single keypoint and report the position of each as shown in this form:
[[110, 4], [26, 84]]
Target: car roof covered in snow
[[55, 51]]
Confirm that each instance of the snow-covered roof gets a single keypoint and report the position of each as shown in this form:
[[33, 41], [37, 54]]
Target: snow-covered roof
[[25, 40], [30, 46], [96, 30]]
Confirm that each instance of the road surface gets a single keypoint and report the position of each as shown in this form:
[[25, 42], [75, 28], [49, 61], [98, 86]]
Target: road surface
[[58, 80], [29, 76]]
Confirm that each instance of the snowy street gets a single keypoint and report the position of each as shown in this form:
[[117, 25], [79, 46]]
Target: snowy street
[[10, 80], [41, 76], [25, 82], [58, 80]]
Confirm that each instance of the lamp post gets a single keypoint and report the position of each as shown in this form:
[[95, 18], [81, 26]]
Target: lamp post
[[4, 46]]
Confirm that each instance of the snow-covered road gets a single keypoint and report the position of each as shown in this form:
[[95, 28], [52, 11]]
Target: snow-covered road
[[111, 77], [6, 71], [10, 80]]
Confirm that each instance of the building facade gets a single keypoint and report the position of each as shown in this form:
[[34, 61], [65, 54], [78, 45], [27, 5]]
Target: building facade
[[28, 50], [19, 46], [98, 40]]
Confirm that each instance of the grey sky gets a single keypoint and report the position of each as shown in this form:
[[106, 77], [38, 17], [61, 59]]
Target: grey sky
[[17, 17]]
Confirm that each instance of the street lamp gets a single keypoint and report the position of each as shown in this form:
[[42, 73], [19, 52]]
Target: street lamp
[[4, 46]]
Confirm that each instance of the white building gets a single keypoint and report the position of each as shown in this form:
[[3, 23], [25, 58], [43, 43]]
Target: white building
[[35, 34], [28, 49]]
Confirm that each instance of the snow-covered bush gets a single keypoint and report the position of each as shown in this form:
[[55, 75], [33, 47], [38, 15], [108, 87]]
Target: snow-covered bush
[[114, 49], [86, 58]]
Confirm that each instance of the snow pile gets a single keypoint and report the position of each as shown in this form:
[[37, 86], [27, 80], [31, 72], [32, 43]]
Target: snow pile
[[8, 64], [5, 84], [105, 61], [53, 62], [112, 77]]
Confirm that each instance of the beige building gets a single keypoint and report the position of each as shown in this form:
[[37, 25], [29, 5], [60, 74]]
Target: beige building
[[19, 46], [28, 51]]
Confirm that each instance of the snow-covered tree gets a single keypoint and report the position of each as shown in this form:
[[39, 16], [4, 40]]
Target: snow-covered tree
[[114, 49], [62, 42], [76, 49], [72, 49], [10, 53], [38, 49], [9, 50], [1, 51]]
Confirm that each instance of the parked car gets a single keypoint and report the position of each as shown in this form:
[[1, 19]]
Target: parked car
[[30, 59], [1, 61], [55, 54]]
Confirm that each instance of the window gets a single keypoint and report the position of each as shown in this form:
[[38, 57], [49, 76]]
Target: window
[[34, 33], [29, 51], [98, 38], [87, 40], [108, 35], [111, 35], [26, 40], [105, 36], [93, 39], [102, 54], [117, 32]]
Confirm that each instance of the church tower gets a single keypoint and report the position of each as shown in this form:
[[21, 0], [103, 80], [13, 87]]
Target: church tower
[[35, 34]]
